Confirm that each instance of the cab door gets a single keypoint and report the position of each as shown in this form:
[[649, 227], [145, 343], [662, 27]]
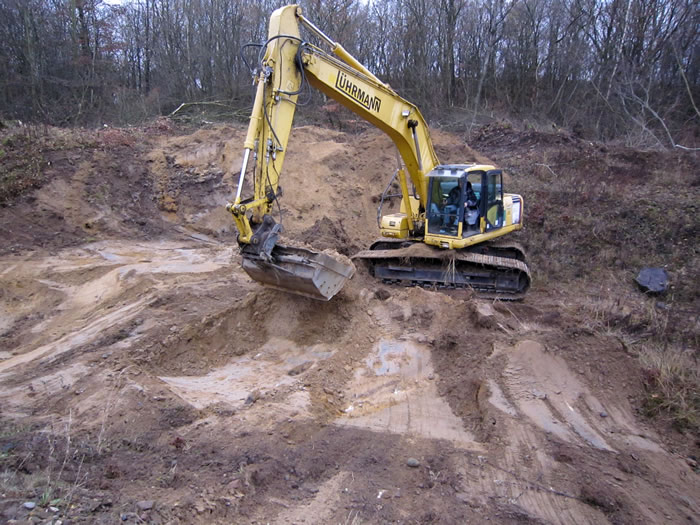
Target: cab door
[[445, 206], [492, 200]]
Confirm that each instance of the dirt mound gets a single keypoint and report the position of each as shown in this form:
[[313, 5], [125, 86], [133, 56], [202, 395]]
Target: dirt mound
[[327, 234]]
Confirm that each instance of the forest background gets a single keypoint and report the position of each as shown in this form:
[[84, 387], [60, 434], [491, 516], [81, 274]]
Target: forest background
[[626, 70]]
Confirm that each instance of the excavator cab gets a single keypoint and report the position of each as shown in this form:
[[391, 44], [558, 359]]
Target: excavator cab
[[464, 200]]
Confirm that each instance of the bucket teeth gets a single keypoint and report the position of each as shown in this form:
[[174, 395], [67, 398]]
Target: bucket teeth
[[299, 271]]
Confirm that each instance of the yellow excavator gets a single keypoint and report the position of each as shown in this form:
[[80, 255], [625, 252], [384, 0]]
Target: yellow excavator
[[451, 216]]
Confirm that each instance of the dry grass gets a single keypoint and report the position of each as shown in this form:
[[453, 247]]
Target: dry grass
[[672, 379], [25, 155], [591, 209], [595, 216], [47, 467], [450, 270], [664, 345]]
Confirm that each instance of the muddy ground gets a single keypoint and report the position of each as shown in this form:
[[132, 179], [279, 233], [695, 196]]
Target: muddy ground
[[146, 379]]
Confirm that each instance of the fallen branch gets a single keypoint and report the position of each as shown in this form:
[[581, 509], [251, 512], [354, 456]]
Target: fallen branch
[[546, 166], [187, 104]]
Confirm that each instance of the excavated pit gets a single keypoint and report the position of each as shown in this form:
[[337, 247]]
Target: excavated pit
[[139, 362]]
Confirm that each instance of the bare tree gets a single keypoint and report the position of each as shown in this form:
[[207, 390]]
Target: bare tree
[[611, 68]]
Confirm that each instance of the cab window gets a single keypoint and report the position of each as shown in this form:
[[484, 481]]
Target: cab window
[[494, 200], [445, 211]]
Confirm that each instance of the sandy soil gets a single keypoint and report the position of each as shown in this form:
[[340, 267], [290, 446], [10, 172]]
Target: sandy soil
[[145, 378]]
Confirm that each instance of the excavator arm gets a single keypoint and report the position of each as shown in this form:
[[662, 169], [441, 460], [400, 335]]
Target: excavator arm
[[289, 61]]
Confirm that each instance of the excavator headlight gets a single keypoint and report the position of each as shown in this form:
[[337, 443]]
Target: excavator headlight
[[516, 212], [405, 113]]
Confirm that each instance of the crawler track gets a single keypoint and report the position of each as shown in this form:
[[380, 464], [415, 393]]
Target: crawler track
[[493, 270]]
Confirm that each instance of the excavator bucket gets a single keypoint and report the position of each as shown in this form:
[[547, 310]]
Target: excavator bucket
[[299, 271]]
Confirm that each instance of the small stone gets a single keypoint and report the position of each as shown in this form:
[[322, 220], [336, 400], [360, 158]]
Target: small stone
[[300, 369], [53, 509], [412, 462], [145, 504], [252, 397], [29, 505], [603, 414], [691, 462], [463, 497], [539, 395]]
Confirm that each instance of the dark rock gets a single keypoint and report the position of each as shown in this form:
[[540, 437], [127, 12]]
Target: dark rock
[[101, 506], [412, 462], [653, 280], [382, 294]]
